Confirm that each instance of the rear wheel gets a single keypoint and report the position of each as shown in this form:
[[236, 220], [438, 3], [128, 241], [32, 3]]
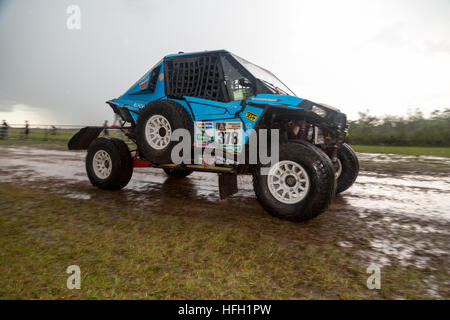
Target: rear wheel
[[177, 173], [109, 164], [298, 187], [347, 168], [155, 126]]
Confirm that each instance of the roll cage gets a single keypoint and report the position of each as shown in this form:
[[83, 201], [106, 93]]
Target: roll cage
[[213, 75]]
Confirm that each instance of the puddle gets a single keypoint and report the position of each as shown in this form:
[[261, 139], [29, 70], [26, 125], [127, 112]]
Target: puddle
[[78, 196], [388, 157], [345, 244]]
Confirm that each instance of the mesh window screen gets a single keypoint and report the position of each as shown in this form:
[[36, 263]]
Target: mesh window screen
[[199, 77]]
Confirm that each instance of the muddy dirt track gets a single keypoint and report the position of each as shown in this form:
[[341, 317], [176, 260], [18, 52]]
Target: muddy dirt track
[[397, 212]]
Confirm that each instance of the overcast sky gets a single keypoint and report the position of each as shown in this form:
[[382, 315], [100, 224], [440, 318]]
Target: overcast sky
[[385, 56]]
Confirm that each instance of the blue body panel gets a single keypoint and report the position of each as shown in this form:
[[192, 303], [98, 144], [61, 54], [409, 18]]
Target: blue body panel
[[204, 109], [276, 100], [138, 96]]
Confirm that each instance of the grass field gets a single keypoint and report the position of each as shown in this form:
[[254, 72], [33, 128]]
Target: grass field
[[426, 151], [168, 256], [43, 137], [62, 136]]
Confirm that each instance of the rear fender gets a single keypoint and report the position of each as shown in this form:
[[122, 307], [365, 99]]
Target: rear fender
[[83, 138]]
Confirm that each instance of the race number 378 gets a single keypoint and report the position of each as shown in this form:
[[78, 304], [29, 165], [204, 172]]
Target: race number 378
[[229, 135]]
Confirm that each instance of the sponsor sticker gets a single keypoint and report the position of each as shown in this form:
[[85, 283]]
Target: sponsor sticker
[[204, 133], [251, 116], [143, 84], [222, 135]]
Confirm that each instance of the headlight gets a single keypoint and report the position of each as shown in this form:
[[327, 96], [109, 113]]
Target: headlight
[[319, 111]]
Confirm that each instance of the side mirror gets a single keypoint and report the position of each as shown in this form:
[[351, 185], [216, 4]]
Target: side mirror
[[243, 82]]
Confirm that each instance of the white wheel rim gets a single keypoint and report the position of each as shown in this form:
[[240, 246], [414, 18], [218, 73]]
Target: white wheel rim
[[158, 132], [288, 182], [338, 168], [102, 164]]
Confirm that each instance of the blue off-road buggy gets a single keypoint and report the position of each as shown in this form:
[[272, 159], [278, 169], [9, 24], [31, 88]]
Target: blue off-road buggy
[[220, 100]]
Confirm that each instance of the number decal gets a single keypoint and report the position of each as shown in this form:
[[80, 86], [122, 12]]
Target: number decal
[[229, 136], [222, 135]]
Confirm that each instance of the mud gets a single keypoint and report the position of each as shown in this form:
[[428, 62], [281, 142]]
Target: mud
[[389, 216]]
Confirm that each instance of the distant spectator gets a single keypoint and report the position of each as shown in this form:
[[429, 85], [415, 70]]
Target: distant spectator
[[53, 130], [105, 128], [27, 129], [116, 122], [4, 133]]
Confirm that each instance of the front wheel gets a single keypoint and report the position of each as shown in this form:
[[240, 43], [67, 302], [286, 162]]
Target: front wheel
[[299, 186], [109, 164], [347, 168]]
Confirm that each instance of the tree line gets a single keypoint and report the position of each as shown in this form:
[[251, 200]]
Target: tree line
[[411, 130]]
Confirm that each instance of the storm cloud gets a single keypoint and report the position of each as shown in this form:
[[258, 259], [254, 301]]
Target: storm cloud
[[386, 56]]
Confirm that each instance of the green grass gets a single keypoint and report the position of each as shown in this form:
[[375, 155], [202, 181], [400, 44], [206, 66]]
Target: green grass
[[62, 137], [133, 254], [43, 138], [427, 151]]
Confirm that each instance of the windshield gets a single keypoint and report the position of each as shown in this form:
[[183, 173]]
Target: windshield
[[268, 78]]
